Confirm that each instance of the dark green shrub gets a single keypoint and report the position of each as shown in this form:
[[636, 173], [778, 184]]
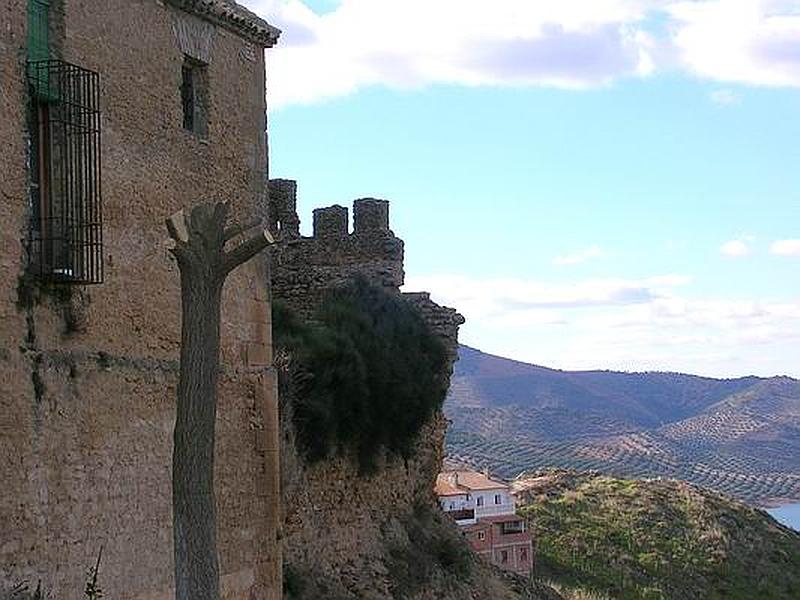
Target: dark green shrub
[[307, 584], [372, 374], [432, 549]]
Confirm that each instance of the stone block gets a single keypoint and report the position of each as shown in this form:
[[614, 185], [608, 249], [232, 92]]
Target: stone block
[[257, 354]]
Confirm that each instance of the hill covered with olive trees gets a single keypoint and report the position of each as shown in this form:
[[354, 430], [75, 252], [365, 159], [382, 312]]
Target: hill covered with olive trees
[[739, 436]]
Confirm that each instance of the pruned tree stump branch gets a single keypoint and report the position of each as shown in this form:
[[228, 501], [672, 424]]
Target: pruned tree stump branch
[[198, 243]]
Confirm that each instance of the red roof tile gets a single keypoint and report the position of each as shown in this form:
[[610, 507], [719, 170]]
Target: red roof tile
[[462, 482]]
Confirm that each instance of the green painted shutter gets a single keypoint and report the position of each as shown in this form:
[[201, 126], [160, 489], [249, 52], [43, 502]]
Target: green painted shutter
[[39, 50], [38, 30]]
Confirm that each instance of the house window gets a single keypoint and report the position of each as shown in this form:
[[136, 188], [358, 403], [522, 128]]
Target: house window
[[498, 499], [65, 232], [481, 535], [523, 555], [504, 556], [194, 96], [512, 527], [479, 501]]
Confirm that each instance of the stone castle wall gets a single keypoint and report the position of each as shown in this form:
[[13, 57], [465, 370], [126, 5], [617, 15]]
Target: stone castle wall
[[89, 373], [338, 522], [305, 268]]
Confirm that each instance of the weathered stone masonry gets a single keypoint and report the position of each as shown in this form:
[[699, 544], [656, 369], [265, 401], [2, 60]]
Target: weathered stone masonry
[[305, 268], [88, 373], [337, 521]]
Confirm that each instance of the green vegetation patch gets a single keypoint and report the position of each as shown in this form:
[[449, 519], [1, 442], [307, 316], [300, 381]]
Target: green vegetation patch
[[367, 373], [299, 584], [427, 550], [652, 540]]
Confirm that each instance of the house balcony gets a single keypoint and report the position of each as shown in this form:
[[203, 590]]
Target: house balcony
[[495, 510], [465, 516]]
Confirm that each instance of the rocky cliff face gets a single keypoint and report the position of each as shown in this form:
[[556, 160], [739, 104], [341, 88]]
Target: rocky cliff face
[[349, 536], [337, 521]]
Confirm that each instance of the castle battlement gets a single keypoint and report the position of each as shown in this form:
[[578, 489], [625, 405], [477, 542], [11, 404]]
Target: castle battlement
[[283, 208], [330, 222], [304, 268], [370, 215]]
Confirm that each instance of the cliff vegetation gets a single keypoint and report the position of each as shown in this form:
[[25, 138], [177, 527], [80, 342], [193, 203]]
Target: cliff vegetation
[[367, 374], [656, 540]]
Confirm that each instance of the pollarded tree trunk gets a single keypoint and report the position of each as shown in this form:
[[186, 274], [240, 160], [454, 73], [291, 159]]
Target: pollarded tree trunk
[[199, 246]]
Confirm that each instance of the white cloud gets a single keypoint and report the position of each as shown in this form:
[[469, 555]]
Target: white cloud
[[646, 324], [571, 44], [785, 248], [724, 97], [490, 298], [563, 43], [735, 248], [579, 257], [746, 41]]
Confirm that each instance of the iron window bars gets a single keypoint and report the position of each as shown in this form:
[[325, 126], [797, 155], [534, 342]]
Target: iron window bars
[[66, 231]]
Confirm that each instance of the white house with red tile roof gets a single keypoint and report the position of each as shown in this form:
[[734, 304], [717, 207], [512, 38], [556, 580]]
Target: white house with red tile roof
[[486, 511]]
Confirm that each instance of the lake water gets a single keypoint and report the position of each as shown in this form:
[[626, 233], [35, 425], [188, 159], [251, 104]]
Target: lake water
[[789, 515]]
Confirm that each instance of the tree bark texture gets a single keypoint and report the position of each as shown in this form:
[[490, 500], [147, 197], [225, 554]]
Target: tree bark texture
[[199, 241]]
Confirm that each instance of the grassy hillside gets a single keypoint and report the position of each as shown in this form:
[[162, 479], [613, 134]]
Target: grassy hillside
[[647, 540], [737, 436]]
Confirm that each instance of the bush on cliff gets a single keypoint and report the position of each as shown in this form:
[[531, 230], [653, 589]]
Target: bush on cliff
[[367, 372]]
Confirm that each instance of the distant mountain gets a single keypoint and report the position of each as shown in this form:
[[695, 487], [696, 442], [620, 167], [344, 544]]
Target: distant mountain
[[738, 436], [599, 537]]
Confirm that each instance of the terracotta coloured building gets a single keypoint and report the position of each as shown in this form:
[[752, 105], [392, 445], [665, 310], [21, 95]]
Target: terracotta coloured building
[[486, 512]]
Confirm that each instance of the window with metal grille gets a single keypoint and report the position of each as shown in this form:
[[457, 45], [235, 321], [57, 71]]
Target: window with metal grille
[[66, 236]]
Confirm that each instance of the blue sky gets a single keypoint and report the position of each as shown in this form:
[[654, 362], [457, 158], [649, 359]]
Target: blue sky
[[606, 184]]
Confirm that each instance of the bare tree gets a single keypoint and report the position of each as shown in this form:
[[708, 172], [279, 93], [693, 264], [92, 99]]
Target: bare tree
[[198, 244]]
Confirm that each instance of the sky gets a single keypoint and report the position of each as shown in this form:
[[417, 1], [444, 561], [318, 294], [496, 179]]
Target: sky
[[593, 184]]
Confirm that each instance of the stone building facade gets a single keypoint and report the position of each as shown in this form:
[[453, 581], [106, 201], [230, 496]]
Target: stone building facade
[[89, 372]]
